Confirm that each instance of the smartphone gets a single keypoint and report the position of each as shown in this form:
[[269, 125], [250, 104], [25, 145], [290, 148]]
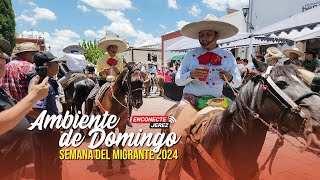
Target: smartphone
[[42, 72]]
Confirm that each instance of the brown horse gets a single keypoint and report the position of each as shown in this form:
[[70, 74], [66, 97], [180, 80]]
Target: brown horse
[[160, 82], [149, 84], [234, 138], [128, 83]]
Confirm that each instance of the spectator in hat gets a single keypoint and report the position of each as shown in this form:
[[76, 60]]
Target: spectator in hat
[[14, 82], [311, 63], [273, 56], [15, 140], [293, 54], [48, 166]]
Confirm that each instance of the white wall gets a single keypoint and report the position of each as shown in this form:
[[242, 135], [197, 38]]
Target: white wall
[[141, 55], [266, 12]]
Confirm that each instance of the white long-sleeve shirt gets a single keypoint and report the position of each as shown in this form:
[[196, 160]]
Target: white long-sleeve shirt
[[213, 85]]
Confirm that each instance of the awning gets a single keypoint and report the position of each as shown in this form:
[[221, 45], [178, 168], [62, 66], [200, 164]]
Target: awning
[[187, 43], [177, 58], [255, 42], [309, 19]]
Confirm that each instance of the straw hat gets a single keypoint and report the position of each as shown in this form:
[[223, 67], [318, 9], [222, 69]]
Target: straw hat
[[73, 48], [5, 46], [27, 47], [306, 75], [273, 53], [293, 50], [210, 22], [112, 40]]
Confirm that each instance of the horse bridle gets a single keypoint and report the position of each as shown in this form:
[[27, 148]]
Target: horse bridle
[[286, 102], [127, 80]]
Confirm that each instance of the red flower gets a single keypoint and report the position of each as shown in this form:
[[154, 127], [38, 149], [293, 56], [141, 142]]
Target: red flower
[[112, 62], [207, 83], [225, 56]]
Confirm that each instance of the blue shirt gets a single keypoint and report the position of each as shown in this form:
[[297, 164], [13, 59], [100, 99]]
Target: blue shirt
[[213, 85], [153, 70], [48, 103]]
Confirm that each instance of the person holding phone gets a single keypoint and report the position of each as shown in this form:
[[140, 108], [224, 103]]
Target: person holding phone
[[46, 142], [15, 139]]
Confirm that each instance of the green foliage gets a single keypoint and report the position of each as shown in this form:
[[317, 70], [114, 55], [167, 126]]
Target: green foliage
[[7, 22], [92, 52]]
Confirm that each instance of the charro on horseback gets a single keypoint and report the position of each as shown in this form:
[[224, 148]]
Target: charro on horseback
[[225, 144]]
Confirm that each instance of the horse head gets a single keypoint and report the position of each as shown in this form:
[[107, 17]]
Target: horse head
[[284, 100], [131, 81]]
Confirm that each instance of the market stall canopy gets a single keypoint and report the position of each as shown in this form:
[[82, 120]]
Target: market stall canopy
[[304, 34], [312, 35], [309, 19], [255, 42], [188, 43], [177, 58]]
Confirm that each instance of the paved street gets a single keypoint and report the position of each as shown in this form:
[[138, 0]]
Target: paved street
[[289, 163]]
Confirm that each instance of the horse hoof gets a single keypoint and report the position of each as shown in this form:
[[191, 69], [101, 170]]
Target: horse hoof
[[124, 170], [108, 172]]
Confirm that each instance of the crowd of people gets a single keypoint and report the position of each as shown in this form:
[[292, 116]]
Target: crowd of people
[[288, 56]]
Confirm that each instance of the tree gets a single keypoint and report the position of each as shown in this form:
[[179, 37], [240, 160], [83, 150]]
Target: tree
[[7, 22], [92, 52]]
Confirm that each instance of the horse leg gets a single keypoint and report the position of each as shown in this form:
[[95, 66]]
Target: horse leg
[[161, 91], [109, 171], [123, 168]]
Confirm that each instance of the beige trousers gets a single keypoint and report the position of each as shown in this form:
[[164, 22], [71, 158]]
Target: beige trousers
[[184, 120]]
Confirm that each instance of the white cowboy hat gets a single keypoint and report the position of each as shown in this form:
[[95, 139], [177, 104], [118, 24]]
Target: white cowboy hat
[[5, 46], [27, 47], [112, 40], [73, 48], [293, 50], [210, 22], [273, 53]]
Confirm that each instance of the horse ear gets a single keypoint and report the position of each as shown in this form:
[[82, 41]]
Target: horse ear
[[260, 66]]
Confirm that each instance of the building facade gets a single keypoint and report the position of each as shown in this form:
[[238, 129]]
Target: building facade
[[143, 55]]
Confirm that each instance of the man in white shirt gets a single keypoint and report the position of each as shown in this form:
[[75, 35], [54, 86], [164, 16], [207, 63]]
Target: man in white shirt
[[203, 72]]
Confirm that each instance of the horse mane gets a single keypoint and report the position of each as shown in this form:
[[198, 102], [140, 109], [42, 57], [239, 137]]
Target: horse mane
[[237, 116]]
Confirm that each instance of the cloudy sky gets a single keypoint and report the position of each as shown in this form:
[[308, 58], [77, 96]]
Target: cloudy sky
[[140, 22]]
